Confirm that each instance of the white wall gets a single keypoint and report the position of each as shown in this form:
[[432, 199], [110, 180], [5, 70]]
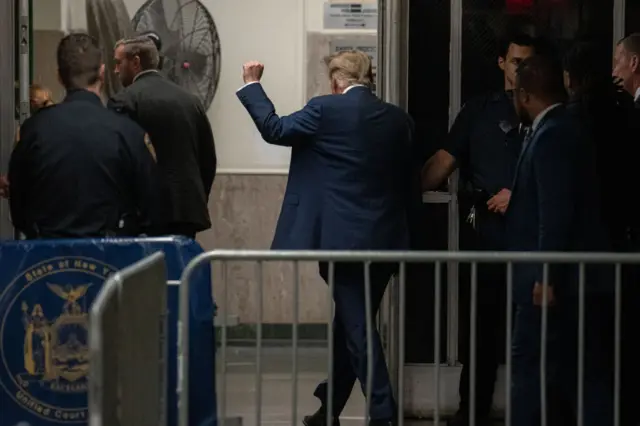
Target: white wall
[[46, 15], [271, 31]]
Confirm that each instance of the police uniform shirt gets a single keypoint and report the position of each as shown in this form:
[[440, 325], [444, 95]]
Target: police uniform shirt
[[78, 170], [486, 140]]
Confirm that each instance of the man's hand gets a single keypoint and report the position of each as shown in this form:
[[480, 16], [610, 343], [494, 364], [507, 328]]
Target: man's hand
[[4, 186], [499, 202], [538, 295], [252, 72]]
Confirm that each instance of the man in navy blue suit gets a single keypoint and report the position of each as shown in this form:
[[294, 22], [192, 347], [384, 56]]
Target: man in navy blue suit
[[554, 207], [352, 184]]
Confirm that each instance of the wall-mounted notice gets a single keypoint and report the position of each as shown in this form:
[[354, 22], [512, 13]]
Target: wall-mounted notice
[[368, 46], [351, 16]]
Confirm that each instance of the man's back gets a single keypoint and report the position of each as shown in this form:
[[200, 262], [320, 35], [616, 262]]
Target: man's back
[[181, 136], [351, 179], [78, 170]]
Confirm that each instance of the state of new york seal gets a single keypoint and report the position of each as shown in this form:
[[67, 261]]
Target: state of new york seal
[[44, 336]]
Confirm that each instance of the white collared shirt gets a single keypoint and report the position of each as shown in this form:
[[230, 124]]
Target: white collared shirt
[[637, 96], [539, 117], [351, 87], [143, 73], [248, 84]]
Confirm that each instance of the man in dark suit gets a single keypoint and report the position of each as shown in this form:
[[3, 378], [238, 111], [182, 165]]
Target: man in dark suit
[[180, 133], [352, 184], [80, 170], [554, 207], [626, 65]]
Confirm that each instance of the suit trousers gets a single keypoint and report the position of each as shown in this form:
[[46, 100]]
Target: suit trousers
[[350, 339], [561, 363]]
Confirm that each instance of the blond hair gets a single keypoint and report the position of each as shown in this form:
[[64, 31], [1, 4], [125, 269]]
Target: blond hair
[[350, 67], [40, 96]]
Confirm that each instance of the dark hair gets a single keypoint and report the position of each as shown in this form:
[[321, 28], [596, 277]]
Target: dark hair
[[155, 38], [144, 47], [631, 43], [79, 60], [587, 65], [540, 75], [517, 38]]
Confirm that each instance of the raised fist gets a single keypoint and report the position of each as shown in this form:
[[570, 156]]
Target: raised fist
[[252, 72]]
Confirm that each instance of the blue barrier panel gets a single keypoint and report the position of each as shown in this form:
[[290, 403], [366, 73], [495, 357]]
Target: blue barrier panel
[[46, 289]]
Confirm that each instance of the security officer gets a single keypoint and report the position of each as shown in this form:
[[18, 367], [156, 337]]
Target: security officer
[[485, 142], [79, 169]]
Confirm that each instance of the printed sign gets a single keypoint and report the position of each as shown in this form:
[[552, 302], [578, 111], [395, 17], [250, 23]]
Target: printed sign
[[353, 16]]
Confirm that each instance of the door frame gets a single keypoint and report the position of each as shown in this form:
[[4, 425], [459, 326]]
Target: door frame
[[419, 379]]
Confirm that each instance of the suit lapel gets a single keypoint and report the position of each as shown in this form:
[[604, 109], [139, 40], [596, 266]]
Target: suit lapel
[[525, 150], [531, 141]]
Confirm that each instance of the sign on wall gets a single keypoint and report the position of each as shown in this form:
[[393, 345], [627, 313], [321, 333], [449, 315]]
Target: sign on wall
[[350, 16], [368, 46]]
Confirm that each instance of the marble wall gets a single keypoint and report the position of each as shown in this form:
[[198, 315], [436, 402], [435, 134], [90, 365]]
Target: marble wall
[[244, 211]]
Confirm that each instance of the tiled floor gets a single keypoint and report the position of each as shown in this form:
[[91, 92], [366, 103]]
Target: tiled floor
[[276, 399]]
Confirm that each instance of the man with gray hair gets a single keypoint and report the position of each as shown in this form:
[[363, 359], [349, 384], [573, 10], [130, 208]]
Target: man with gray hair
[[353, 183], [179, 131], [626, 65]]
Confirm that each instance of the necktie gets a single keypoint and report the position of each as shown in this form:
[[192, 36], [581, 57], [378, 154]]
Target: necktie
[[527, 137]]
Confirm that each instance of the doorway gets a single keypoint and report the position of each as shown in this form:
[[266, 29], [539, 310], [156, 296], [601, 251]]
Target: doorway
[[453, 51]]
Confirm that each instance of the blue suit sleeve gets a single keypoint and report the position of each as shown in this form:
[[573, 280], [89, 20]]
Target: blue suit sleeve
[[555, 171], [286, 130]]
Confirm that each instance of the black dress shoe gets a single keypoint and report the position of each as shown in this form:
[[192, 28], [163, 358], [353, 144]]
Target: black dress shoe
[[319, 418]]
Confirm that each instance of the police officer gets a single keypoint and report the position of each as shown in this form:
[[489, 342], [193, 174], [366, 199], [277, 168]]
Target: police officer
[[79, 169], [485, 142]]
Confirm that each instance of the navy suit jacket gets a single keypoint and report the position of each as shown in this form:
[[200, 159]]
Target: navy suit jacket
[[554, 205], [353, 176]]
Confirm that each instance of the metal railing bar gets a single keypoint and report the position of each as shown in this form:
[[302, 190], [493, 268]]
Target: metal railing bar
[[401, 330], [509, 331], [331, 284], [436, 339], [581, 343], [543, 345], [413, 257], [617, 343], [473, 344], [368, 311], [294, 343]]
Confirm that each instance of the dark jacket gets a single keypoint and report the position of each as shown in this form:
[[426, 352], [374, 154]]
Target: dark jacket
[[554, 205], [353, 181], [183, 141], [80, 170]]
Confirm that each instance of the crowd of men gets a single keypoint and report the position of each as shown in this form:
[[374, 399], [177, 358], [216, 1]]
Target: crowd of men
[[542, 166], [144, 165], [544, 171]]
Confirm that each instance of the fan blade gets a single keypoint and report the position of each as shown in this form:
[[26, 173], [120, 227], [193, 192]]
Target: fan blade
[[108, 21]]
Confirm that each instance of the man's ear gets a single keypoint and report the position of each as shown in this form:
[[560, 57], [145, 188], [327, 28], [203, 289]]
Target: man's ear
[[101, 73], [634, 62], [501, 62], [567, 80], [136, 61]]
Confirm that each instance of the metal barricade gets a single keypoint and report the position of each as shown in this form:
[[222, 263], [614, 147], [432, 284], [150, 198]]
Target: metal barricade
[[128, 348], [511, 261]]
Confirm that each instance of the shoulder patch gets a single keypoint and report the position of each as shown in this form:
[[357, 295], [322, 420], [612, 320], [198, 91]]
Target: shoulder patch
[[149, 145]]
